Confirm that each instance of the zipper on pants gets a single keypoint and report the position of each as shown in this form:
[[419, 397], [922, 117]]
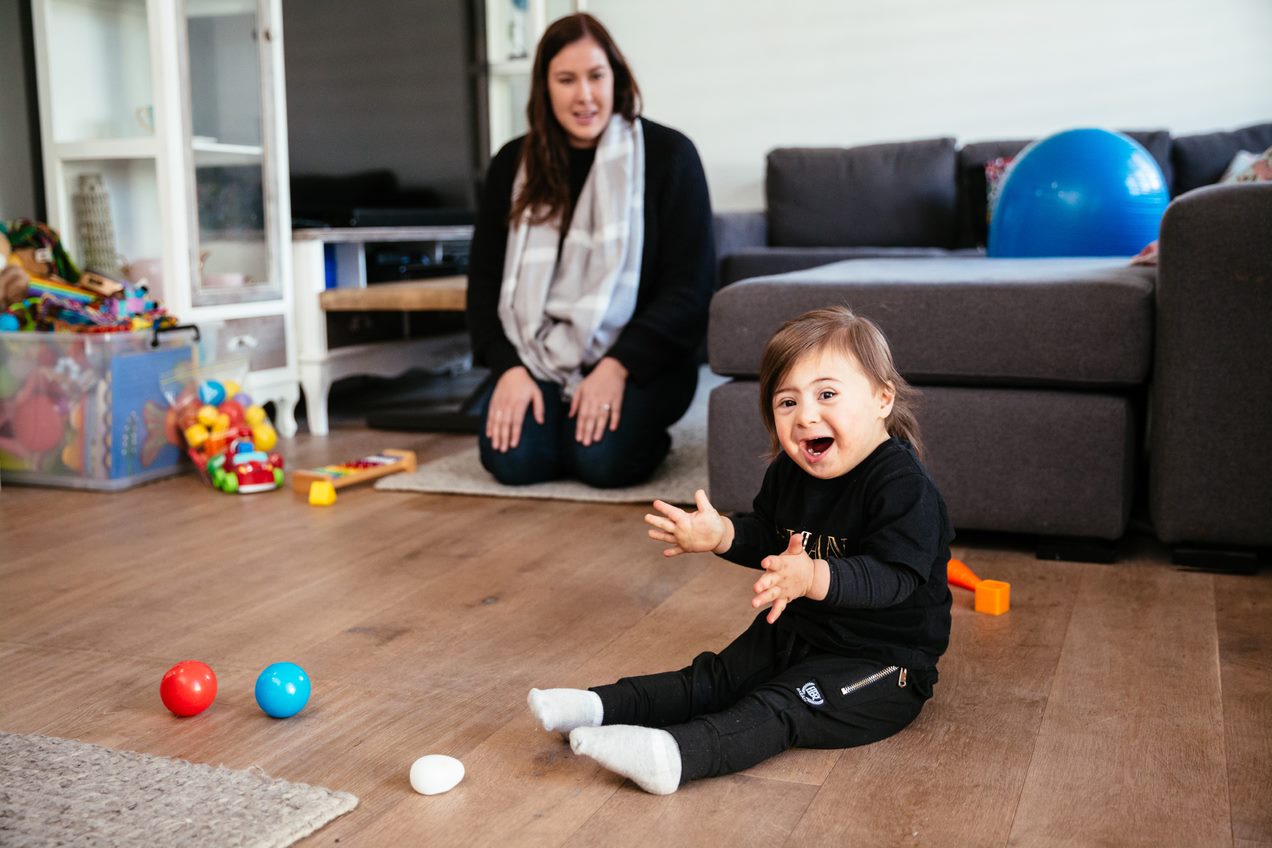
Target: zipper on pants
[[876, 677]]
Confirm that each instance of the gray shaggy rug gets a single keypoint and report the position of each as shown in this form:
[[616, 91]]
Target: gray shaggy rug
[[63, 792]]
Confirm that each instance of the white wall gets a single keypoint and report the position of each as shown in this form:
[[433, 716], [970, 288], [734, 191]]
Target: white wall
[[743, 76]]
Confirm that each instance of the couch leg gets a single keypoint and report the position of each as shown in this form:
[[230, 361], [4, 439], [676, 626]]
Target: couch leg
[[1218, 560], [1077, 549]]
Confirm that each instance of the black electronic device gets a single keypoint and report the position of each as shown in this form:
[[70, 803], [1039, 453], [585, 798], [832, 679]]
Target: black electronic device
[[385, 112]]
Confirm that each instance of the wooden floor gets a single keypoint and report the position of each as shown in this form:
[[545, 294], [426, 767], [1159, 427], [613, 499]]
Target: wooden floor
[[1114, 705]]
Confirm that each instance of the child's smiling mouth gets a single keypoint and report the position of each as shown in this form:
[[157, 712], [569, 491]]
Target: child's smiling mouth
[[815, 449]]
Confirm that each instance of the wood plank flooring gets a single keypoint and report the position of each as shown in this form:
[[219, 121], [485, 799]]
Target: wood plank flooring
[[1114, 705]]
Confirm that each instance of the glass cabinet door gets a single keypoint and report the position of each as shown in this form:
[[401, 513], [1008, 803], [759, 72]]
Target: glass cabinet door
[[229, 124]]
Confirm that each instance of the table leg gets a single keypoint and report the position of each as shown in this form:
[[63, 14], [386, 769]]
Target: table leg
[[315, 380]]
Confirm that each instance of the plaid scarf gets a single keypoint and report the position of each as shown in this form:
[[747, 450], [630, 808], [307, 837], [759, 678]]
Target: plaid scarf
[[564, 313]]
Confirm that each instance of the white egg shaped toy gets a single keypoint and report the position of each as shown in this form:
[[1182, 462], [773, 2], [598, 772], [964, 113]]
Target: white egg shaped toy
[[435, 774]]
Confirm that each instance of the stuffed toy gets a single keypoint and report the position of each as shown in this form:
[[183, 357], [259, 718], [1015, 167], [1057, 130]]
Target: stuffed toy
[[13, 277]]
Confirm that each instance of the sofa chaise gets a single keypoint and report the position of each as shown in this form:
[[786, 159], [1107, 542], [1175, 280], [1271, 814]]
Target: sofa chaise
[[1053, 389]]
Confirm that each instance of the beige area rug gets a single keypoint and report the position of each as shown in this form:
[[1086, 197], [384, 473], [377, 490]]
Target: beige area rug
[[63, 792], [681, 474]]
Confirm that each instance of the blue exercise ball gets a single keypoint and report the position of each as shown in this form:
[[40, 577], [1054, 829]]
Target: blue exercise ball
[[1084, 192], [282, 690]]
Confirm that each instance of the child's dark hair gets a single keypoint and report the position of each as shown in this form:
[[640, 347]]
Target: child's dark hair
[[837, 328]]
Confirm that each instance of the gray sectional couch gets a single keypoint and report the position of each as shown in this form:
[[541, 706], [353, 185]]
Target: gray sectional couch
[[1051, 387]]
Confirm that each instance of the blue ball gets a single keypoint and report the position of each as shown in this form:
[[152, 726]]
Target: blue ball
[[211, 392], [1085, 192], [282, 690]]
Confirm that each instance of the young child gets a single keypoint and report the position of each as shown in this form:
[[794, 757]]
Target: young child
[[853, 538]]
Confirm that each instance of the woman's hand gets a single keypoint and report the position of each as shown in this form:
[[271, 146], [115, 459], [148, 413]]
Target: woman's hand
[[691, 532], [598, 401], [506, 412], [791, 574]]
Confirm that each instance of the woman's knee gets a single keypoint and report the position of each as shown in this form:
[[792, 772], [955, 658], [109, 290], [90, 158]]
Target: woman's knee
[[520, 466], [615, 461]]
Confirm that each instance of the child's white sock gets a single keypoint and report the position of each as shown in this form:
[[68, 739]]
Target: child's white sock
[[566, 709], [648, 756]]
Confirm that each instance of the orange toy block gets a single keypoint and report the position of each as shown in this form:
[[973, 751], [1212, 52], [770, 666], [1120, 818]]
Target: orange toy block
[[957, 572], [993, 597]]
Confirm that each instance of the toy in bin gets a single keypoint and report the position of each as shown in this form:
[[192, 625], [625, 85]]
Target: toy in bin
[[321, 483], [229, 438]]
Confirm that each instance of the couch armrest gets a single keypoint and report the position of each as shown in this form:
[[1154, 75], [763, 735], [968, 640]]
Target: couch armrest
[[737, 230], [1210, 442]]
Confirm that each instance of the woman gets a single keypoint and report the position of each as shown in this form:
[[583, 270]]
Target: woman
[[592, 267]]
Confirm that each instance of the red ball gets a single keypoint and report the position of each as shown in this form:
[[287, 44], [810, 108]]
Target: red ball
[[234, 410], [188, 688]]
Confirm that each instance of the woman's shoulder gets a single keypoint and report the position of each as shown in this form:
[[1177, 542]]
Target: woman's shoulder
[[508, 154], [665, 139]]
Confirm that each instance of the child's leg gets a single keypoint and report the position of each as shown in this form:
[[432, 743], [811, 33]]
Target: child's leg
[[711, 683], [804, 706]]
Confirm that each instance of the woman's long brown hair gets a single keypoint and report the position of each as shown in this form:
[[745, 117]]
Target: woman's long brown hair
[[546, 150]]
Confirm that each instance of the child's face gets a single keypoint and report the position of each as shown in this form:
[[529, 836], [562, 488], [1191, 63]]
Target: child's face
[[829, 415]]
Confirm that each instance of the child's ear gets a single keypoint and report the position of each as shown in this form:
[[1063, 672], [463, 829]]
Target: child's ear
[[887, 397]]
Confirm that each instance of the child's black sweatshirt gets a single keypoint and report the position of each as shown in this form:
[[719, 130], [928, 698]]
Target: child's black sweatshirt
[[884, 531]]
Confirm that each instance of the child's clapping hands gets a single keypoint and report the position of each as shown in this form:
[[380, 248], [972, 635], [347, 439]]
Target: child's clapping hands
[[691, 532], [789, 575]]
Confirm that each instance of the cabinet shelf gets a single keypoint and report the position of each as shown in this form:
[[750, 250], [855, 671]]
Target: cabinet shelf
[[107, 148], [511, 68], [209, 152]]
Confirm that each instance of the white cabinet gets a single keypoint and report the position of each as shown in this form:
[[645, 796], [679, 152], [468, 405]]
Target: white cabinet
[[513, 29], [178, 106]]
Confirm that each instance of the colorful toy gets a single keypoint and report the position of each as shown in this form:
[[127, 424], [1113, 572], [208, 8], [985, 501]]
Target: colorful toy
[[282, 690], [355, 471], [229, 438], [188, 688], [244, 470], [1083, 192], [322, 493], [993, 597]]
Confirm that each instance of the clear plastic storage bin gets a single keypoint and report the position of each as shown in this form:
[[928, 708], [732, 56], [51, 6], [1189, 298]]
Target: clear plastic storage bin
[[86, 410]]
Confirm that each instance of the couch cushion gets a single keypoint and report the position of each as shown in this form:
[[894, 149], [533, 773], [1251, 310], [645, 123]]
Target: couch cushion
[[1059, 463], [765, 261], [1201, 159], [973, 217], [966, 321], [877, 195]]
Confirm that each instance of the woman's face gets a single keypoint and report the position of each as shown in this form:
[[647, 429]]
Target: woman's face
[[581, 87]]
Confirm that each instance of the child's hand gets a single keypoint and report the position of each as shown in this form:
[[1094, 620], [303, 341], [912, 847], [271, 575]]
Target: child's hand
[[790, 575], [690, 532]]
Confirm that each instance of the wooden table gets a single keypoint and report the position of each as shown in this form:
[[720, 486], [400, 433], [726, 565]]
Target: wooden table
[[443, 294], [321, 365]]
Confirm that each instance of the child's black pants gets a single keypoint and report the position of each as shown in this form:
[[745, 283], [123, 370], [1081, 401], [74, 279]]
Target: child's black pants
[[769, 690]]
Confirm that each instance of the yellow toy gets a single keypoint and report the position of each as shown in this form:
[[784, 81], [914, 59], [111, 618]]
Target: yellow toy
[[322, 493]]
